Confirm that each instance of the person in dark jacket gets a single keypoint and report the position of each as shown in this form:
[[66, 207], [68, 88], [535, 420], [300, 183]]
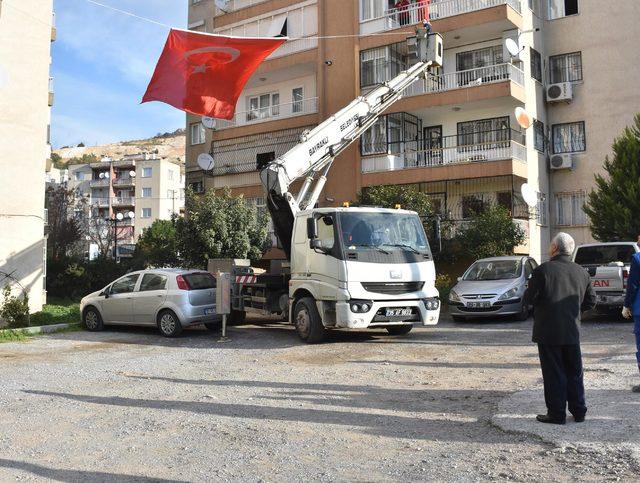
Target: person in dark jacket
[[559, 291], [632, 303]]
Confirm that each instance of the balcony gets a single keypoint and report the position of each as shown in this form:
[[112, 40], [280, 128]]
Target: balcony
[[293, 46], [99, 183], [100, 202], [127, 162], [124, 201], [124, 181], [233, 5], [280, 111], [375, 17]]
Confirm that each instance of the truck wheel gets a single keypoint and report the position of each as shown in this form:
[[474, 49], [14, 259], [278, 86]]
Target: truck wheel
[[308, 322], [399, 329], [169, 324], [236, 317]]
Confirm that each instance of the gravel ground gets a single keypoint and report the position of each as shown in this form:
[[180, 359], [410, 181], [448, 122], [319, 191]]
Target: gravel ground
[[453, 402]]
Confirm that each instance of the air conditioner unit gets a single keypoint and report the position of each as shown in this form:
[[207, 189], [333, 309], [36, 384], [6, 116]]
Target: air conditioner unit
[[562, 92], [561, 161]]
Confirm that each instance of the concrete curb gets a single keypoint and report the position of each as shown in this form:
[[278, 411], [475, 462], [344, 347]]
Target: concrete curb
[[44, 329]]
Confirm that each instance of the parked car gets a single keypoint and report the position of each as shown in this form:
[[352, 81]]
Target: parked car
[[492, 286], [608, 265], [170, 299]]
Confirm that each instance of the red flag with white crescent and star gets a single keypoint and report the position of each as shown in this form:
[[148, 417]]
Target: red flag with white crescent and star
[[204, 74]]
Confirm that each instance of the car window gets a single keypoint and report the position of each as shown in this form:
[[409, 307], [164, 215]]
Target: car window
[[200, 280], [604, 254], [153, 281], [124, 285], [494, 270], [528, 269]]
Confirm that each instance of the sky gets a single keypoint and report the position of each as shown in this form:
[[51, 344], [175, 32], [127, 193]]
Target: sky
[[102, 63]]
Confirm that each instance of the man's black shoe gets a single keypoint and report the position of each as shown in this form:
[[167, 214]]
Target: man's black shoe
[[579, 419], [545, 418]]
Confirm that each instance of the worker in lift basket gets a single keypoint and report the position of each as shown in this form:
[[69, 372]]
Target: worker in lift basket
[[632, 304]]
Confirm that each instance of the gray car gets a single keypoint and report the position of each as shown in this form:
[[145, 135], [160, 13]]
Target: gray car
[[492, 286], [169, 299]]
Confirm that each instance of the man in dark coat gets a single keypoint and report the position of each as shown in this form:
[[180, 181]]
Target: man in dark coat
[[560, 290]]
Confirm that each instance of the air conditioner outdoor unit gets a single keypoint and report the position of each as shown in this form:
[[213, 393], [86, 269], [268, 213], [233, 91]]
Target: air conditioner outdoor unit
[[561, 161], [562, 92]]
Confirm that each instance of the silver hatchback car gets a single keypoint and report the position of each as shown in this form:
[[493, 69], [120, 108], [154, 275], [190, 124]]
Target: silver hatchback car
[[170, 299]]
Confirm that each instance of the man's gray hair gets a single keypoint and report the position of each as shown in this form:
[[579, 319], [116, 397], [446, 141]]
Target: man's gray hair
[[564, 243]]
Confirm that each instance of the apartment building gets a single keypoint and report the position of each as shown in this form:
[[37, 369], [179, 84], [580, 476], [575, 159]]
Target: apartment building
[[26, 32], [454, 134], [141, 188]]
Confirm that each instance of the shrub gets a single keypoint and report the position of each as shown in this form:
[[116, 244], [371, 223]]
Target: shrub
[[444, 285], [14, 310], [56, 314]]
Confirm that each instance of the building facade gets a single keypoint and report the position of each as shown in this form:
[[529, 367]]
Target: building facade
[[454, 134], [26, 96], [142, 188]]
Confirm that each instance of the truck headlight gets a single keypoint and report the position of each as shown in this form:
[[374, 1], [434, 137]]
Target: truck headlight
[[453, 296], [360, 306], [432, 304], [509, 294]]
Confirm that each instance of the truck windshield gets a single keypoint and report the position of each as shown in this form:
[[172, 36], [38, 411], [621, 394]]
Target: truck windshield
[[493, 270], [604, 254], [383, 231]]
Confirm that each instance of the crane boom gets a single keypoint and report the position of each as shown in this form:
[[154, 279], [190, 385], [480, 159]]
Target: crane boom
[[319, 147]]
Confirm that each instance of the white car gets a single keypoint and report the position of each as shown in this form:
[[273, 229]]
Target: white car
[[170, 299]]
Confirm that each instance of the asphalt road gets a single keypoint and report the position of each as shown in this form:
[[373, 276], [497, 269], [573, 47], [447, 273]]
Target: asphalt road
[[453, 402]]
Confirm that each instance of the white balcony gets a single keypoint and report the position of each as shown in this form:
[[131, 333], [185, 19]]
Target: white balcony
[[100, 202], [233, 5], [272, 113], [124, 181], [124, 201], [99, 183], [376, 17], [293, 46]]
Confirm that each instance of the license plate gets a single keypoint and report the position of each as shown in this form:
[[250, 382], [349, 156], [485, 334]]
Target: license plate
[[479, 305], [397, 312], [209, 311]]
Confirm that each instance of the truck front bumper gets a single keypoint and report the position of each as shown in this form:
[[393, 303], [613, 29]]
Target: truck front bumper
[[376, 315]]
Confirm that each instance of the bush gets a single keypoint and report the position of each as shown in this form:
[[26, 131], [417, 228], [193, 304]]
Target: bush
[[56, 314], [491, 233], [14, 310], [444, 284]]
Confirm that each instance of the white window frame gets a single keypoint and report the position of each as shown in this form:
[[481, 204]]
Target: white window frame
[[170, 175], [145, 170], [196, 133], [577, 145], [566, 71], [297, 105], [146, 192], [542, 210], [263, 110], [569, 210], [144, 211], [559, 11]]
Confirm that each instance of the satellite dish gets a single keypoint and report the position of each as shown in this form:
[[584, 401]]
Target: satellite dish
[[222, 5], [209, 122], [205, 161], [529, 195], [101, 175], [513, 47], [523, 117], [132, 173], [131, 214], [120, 216]]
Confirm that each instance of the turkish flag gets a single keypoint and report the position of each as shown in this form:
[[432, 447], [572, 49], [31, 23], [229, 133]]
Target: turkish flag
[[204, 74]]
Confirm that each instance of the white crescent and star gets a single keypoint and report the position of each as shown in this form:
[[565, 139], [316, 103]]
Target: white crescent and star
[[226, 55]]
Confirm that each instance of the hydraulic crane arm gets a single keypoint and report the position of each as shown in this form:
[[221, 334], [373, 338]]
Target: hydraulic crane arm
[[319, 147]]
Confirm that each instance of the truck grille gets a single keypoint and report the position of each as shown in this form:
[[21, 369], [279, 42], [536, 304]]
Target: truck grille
[[392, 288]]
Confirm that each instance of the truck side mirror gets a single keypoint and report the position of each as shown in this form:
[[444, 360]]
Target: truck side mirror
[[312, 228]]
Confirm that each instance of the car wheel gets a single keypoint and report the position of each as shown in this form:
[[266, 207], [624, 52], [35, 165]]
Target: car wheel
[[399, 329], [524, 313], [92, 319], [169, 324], [308, 322], [458, 318]]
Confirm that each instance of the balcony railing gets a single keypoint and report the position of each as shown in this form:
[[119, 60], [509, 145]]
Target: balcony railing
[[293, 46], [124, 182], [233, 5], [100, 202], [470, 147], [124, 201], [95, 183], [374, 17], [280, 111]]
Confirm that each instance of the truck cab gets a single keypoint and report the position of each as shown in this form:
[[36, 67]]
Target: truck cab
[[360, 268]]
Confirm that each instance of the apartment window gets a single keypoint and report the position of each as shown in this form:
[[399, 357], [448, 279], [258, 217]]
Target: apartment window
[[392, 134], [471, 205], [565, 68], [170, 175], [538, 135], [382, 64], [505, 199], [569, 209], [297, 95], [171, 194], [193, 2], [542, 210], [147, 172], [79, 176], [197, 133], [474, 59], [569, 138], [534, 6], [146, 192], [483, 131], [197, 186], [146, 212], [536, 65], [263, 106], [561, 8]]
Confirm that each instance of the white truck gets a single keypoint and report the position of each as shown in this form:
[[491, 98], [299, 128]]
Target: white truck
[[349, 267], [608, 265]]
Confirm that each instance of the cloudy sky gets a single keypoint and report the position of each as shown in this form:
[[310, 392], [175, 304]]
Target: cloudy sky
[[102, 63]]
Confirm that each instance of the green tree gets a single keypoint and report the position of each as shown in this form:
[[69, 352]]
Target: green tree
[[218, 225], [613, 207], [388, 196], [158, 245], [491, 233], [84, 159], [64, 228], [56, 159]]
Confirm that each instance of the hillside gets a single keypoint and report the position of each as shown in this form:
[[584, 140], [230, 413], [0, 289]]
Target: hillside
[[168, 145]]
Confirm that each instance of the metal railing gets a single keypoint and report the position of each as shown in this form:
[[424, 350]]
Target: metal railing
[[233, 5], [124, 181], [375, 17], [99, 182], [279, 111], [100, 202], [293, 46], [124, 201]]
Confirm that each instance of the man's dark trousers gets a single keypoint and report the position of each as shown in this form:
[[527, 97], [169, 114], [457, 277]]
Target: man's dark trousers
[[563, 380]]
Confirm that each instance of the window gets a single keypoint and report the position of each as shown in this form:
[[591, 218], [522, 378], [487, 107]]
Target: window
[[569, 138], [326, 233], [569, 209], [146, 192], [536, 65], [79, 176], [197, 133], [146, 212], [170, 175], [153, 281], [471, 205], [171, 194], [263, 106], [604, 254], [565, 68], [197, 186], [392, 134], [562, 8], [538, 135], [483, 131], [542, 209], [474, 59], [505, 200], [297, 95], [200, 280], [147, 172], [382, 64], [534, 6], [124, 285]]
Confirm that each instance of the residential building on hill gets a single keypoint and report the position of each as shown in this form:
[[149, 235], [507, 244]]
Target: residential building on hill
[[26, 97], [454, 135]]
